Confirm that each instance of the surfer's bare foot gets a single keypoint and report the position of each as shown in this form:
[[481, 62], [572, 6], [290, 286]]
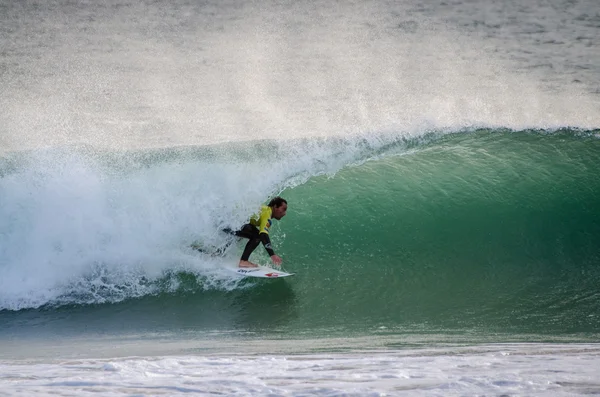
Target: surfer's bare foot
[[247, 264]]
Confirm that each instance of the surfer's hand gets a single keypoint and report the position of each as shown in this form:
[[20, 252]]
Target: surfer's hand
[[276, 260]]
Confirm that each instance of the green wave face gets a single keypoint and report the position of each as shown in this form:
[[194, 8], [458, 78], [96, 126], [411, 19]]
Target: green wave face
[[487, 232], [492, 231]]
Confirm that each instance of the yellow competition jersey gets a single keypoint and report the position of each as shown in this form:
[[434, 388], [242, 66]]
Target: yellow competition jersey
[[262, 220]]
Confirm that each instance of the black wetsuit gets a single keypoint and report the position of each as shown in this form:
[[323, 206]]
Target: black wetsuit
[[256, 231]]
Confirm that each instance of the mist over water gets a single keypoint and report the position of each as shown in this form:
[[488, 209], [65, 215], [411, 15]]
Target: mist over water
[[151, 74]]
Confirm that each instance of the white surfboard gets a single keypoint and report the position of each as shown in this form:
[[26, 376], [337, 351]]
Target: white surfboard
[[261, 271]]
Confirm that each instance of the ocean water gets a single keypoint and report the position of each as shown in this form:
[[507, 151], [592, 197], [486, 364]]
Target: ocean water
[[440, 162]]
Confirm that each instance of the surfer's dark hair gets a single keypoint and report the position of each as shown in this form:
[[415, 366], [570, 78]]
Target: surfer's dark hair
[[277, 202]]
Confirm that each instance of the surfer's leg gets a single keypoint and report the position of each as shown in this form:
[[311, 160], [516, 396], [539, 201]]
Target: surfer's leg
[[247, 231], [250, 247], [251, 233], [244, 232]]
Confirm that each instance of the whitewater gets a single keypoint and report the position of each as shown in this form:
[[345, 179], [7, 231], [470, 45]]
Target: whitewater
[[440, 164]]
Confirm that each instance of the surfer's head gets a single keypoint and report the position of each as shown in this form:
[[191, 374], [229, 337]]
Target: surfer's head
[[279, 206]]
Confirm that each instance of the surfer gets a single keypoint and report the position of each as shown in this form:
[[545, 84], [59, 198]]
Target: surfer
[[257, 231]]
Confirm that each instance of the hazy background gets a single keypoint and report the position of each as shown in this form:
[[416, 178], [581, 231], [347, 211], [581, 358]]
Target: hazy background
[[126, 74]]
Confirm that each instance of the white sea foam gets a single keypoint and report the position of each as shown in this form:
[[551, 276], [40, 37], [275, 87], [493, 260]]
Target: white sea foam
[[76, 230], [533, 370]]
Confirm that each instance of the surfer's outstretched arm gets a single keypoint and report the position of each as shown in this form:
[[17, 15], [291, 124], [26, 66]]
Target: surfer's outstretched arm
[[264, 237]]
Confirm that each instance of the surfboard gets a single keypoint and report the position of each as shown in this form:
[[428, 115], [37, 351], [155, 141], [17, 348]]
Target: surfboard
[[261, 272]]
